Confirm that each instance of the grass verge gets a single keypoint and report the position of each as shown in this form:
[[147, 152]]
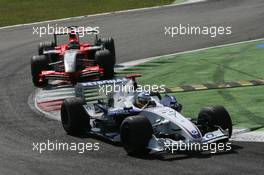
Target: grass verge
[[26, 11], [233, 63]]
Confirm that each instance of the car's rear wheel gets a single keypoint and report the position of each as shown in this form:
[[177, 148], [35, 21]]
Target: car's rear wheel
[[135, 133], [109, 44], [74, 119], [38, 64], [105, 60], [215, 116], [45, 46]]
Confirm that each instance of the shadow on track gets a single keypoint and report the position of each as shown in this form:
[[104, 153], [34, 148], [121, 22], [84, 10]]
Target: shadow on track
[[164, 156]]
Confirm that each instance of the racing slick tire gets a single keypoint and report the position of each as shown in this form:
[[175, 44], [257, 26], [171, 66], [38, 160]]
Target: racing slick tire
[[109, 44], [135, 133], [38, 64], [215, 116], [45, 46], [74, 119], [105, 60]]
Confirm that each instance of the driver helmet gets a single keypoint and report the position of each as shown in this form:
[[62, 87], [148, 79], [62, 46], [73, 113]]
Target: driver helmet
[[73, 37], [73, 34], [142, 99], [73, 40]]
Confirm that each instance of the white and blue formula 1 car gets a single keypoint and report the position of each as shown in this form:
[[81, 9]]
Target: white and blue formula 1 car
[[142, 121]]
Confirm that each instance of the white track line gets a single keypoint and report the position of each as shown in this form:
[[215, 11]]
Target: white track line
[[189, 1], [102, 14], [253, 136]]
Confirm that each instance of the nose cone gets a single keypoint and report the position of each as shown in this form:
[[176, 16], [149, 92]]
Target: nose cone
[[70, 61], [69, 67], [189, 130]]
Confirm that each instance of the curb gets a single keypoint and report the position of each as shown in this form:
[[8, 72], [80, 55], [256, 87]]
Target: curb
[[210, 86]]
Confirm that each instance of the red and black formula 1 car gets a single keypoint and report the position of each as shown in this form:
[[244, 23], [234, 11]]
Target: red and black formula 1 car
[[73, 61]]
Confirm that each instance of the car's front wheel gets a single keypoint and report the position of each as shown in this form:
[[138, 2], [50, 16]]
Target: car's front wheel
[[135, 133], [74, 119], [212, 117]]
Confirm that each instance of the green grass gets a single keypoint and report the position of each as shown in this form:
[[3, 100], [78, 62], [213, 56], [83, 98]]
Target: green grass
[[245, 105], [233, 63], [239, 62], [25, 11]]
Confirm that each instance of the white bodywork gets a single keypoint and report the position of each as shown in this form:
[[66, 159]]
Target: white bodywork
[[168, 121], [163, 120], [70, 60]]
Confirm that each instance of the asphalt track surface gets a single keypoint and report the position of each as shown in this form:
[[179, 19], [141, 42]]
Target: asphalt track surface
[[138, 35]]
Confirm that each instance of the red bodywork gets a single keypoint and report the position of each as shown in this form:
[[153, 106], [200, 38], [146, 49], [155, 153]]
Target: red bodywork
[[90, 72]]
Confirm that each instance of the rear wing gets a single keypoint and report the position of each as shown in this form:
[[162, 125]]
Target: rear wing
[[93, 91]]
